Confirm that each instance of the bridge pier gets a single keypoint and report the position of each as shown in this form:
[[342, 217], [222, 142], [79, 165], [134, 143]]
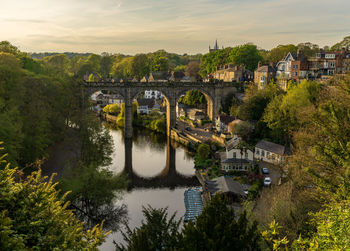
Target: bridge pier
[[170, 115], [128, 115]]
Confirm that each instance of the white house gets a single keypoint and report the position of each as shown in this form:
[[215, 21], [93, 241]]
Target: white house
[[270, 152], [150, 94], [145, 106], [238, 158], [284, 67]]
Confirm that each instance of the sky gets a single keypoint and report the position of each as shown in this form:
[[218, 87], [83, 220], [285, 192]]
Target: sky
[[181, 26]]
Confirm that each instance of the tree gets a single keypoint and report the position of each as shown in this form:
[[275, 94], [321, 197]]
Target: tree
[[106, 65], [57, 64], [217, 229], [7, 47], [242, 129], [33, 216], [247, 54], [193, 98], [159, 63], [192, 69], [140, 66], [332, 231], [156, 233], [284, 113], [278, 53], [203, 150]]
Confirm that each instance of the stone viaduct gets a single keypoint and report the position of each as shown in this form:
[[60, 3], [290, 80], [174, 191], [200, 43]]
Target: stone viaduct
[[215, 93]]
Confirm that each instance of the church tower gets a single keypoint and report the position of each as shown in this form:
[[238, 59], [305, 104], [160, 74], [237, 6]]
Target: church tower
[[216, 47]]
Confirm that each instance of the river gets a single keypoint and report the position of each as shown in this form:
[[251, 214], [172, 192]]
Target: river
[[160, 171]]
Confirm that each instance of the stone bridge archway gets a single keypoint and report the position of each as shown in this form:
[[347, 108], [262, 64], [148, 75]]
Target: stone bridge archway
[[214, 92]]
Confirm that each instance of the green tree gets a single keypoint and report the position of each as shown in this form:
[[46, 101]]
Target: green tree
[[34, 217], [284, 112], [140, 66], [203, 151], [57, 64], [218, 229], [156, 233], [106, 65], [278, 53], [193, 98], [247, 54]]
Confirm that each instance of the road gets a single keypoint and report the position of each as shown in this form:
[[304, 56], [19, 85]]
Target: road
[[274, 172]]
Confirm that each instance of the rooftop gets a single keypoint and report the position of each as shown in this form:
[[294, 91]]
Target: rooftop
[[271, 147]]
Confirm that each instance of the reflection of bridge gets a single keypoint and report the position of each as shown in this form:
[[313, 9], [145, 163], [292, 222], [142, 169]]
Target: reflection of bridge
[[169, 177], [214, 94]]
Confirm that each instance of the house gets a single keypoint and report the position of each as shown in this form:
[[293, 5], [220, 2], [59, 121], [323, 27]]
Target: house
[[176, 76], [285, 65], [231, 188], [263, 75], [153, 94], [195, 114], [230, 73], [222, 122], [158, 76], [145, 106], [299, 67], [238, 157], [270, 152], [115, 99]]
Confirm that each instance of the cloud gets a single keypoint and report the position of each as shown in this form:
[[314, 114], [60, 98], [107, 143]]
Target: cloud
[[133, 26]]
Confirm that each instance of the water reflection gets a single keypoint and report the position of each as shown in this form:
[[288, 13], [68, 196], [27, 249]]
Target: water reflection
[[168, 177], [149, 154], [159, 170]]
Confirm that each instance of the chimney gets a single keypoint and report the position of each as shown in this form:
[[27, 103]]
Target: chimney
[[299, 53]]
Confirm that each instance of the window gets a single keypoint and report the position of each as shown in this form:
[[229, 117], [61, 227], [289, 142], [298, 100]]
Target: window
[[263, 153], [296, 67], [257, 152], [234, 155]]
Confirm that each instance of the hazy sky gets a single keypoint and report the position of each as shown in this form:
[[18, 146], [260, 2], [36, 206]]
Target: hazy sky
[[182, 26]]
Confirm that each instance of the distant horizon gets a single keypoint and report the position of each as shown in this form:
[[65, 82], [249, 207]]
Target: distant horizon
[[138, 26], [190, 54]]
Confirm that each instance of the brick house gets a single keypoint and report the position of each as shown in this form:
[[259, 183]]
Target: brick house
[[263, 75]]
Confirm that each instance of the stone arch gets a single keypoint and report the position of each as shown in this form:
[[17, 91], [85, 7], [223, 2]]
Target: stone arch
[[170, 113], [209, 98]]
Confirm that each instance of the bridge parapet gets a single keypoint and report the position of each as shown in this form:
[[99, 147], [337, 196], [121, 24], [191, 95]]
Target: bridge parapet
[[214, 93]]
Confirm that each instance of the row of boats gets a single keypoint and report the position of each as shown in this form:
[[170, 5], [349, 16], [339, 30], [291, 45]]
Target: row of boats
[[193, 203]]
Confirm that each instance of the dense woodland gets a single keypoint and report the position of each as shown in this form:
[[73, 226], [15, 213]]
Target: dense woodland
[[40, 104]]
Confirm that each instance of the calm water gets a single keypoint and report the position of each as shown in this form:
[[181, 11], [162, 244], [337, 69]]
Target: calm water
[[159, 171]]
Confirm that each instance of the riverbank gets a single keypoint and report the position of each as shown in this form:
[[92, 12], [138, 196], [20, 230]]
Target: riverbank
[[62, 154]]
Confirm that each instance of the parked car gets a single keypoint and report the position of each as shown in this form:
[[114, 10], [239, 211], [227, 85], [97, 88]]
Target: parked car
[[265, 170], [267, 181]]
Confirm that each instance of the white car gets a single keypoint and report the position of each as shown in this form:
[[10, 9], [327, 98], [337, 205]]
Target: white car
[[267, 181], [265, 170]]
